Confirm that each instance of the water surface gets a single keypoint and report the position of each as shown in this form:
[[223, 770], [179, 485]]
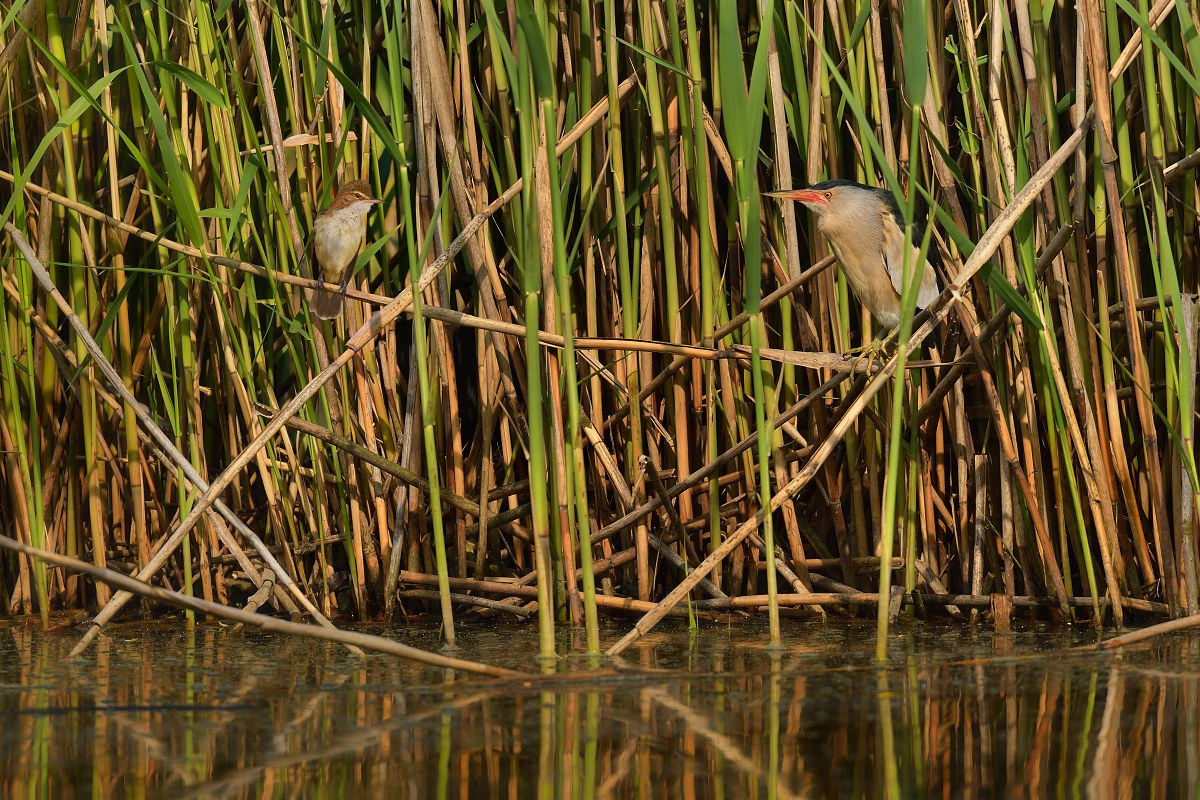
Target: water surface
[[154, 710]]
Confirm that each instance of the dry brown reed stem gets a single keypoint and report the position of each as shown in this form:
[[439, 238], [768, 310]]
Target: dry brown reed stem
[[153, 430], [259, 598], [921, 598], [470, 600], [826, 361], [784, 179], [1092, 34], [352, 640], [622, 605], [1181, 166], [987, 246], [1133, 637], [501, 588], [1089, 450]]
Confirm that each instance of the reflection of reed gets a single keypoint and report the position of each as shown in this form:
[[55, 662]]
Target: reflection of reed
[[1103, 782], [610, 783], [697, 723], [248, 716]]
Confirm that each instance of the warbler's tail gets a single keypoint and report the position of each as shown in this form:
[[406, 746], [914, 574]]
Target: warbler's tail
[[326, 304]]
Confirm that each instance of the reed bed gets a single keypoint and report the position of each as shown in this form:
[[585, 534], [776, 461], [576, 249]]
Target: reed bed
[[620, 385]]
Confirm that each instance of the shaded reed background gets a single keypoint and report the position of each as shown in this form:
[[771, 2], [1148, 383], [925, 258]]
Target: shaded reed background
[[623, 147]]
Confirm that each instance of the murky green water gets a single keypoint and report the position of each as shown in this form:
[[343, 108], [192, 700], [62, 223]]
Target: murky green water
[[155, 711]]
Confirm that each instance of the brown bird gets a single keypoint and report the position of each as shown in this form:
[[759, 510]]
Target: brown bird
[[337, 237], [864, 227]]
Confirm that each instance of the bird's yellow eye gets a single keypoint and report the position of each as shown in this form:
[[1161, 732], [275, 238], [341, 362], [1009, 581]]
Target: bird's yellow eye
[[828, 195]]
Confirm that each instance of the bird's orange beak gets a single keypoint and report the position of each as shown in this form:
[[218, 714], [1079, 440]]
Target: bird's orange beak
[[799, 195]]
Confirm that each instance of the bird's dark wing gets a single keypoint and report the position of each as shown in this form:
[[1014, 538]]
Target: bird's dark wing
[[893, 260]]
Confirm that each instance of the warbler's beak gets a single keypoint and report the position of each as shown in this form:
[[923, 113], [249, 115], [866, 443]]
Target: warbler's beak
[[799, 195], [374, 202]]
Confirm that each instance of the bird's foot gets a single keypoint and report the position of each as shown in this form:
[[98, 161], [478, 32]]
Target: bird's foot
[[872, 352]]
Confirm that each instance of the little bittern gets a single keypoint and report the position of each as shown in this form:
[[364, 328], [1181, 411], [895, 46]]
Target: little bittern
[[864, 227]]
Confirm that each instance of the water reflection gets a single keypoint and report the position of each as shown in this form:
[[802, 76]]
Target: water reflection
[[153, 710]]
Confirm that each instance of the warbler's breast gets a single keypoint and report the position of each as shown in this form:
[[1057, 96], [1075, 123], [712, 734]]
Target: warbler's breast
[[336, 240]]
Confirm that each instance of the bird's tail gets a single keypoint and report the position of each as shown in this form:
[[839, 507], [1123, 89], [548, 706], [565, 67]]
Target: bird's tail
[[326, 304]]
